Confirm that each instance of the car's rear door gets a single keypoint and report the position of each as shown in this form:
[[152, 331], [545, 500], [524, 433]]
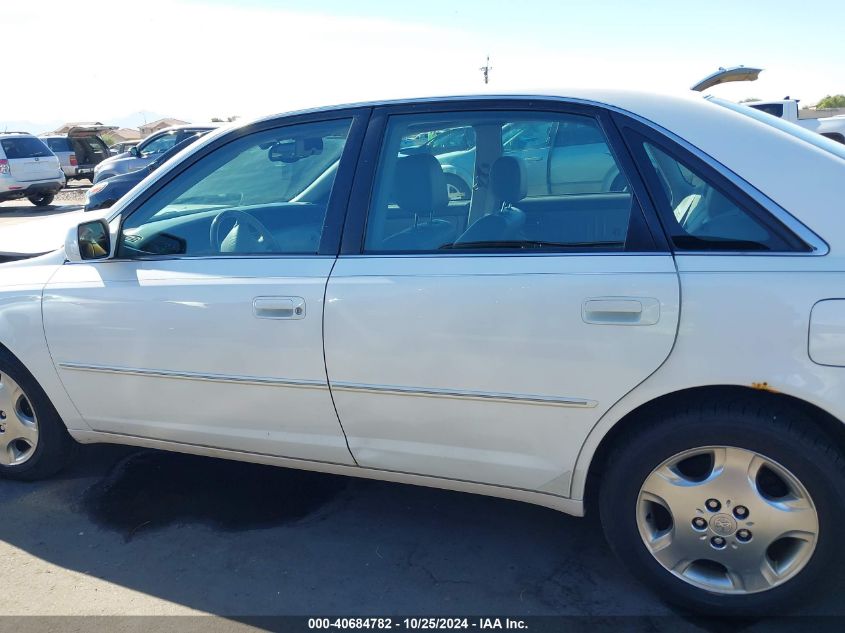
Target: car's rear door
[[490, 362], [207, 326]]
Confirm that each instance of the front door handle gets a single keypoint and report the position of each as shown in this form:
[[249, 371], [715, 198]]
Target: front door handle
[[620, 311], [279, 307]]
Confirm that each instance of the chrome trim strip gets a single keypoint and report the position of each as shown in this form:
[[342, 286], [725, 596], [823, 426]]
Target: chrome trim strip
[[431, 392], [428, 392], [189, 375]]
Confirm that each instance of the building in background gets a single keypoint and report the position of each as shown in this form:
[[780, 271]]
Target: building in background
[[155, 126]]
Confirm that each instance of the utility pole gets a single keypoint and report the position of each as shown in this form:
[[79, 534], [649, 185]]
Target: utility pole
[[486, 68]]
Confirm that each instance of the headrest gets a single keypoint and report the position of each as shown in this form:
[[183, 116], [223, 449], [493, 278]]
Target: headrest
[[420, 184], [508, 180]]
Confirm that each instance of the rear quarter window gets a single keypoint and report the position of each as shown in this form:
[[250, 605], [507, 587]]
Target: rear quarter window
[[58, 144], [24, 147]]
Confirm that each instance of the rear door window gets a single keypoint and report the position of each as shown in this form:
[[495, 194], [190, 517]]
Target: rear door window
[[530, 182], [58, 144], [25, 147]]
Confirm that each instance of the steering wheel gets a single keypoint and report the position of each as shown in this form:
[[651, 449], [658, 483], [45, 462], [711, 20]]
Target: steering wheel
[[245, 219]]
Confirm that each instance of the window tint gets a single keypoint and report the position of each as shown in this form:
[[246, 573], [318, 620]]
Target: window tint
[[266, 193], [701, 216], [528, 182], [90, 150], [158, 145], [24, 147], [58, 144], [775, 109]]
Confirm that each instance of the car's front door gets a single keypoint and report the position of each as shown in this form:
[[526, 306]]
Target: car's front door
[[481, 340], [206, 328]]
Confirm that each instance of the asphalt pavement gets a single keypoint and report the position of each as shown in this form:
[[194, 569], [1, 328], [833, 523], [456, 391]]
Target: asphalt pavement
[[124, 531]]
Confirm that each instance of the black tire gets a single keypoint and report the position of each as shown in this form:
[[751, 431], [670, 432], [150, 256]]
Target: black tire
[[457, 188], [55, 446], [772, 429], [41, 199]]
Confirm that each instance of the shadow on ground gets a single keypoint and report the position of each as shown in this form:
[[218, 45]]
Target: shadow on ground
[[229, 538]]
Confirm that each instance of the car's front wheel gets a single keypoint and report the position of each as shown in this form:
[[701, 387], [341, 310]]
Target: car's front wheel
[[41, 199], [34, 442], [726, 508]]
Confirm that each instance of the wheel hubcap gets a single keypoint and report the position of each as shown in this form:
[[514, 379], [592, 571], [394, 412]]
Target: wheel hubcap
[[18, 424], [727, 519]]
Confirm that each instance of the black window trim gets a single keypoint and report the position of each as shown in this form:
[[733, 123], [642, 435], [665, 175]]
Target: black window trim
[[799, 239], [335, 211], [650, 236]]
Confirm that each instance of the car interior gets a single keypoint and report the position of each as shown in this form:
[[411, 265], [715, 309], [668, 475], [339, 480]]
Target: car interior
[[704, 215], [411, 211], [270, 194], [252, 197]]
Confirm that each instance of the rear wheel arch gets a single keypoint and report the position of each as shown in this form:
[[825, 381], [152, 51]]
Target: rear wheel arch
[[827, 424]]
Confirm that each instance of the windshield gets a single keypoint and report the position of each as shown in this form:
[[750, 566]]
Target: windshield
[[822, 142]]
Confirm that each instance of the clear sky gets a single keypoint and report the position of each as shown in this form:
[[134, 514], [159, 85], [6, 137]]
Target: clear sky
[[194, 59]]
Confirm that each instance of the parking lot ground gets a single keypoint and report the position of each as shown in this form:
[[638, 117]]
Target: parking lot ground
[[135, 532]]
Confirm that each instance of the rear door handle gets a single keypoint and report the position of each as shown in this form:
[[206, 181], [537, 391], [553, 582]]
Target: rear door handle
[[620, 311], [279, 307]]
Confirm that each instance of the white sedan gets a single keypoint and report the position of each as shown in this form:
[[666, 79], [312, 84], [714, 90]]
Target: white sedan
[[668, 350]]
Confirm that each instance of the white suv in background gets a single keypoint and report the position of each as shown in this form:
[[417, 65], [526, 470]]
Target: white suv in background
[[28, 169]]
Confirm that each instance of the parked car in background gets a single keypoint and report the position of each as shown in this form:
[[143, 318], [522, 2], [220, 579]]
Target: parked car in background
[[80, 150], [558, 158], [449, 140], [787, 109], [106, 192], [28, 169], [122, 146], [299, 291], [833, 127], [146, 151]]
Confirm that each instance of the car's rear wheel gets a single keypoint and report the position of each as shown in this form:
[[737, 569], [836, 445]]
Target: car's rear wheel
[[34, 442], [41, 199], [726, 509]]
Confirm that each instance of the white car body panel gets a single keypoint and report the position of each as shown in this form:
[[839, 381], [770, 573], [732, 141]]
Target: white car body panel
[[433, 363], [723, 334], [186, 330], [21, 330]]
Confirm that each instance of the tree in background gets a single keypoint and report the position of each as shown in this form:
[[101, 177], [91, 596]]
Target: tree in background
[[835, 101]]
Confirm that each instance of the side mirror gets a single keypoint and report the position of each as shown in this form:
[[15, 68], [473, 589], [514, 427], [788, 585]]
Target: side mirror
[[87, 241], [133, 151]]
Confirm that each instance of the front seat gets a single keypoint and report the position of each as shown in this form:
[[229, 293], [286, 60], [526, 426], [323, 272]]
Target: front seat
[[420, 189], [508, 183]]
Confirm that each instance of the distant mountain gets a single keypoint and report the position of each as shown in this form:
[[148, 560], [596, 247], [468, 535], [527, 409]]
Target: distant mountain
[[38, 127], [135, 119], [33, 127]]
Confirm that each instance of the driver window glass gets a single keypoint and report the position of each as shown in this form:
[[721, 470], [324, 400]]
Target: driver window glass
[[159, 145], [265, 193]]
